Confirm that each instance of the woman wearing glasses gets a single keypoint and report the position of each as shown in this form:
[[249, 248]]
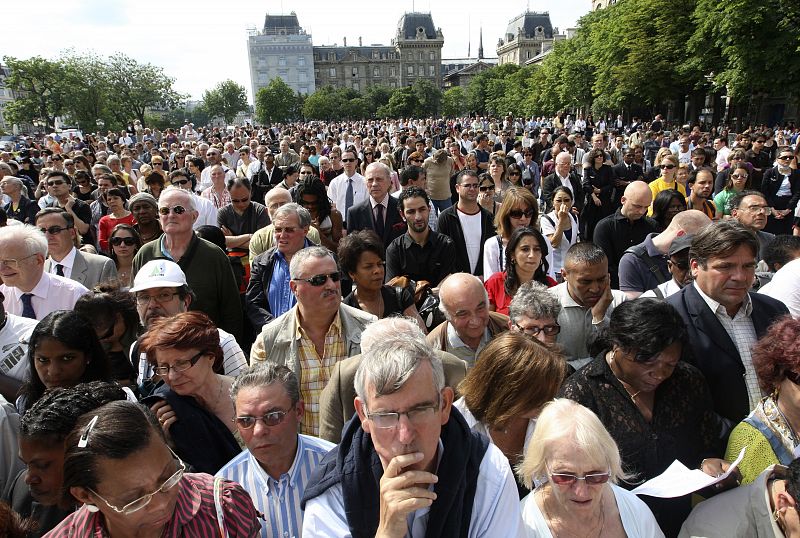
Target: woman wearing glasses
[[598, 188], [574, 465], [735, 158], [502, 395], [125, 243], [657, 407], [781, 188], [118, 464], [193, 405], [668, 178], [738, 180], [518, 210], [117, 214]]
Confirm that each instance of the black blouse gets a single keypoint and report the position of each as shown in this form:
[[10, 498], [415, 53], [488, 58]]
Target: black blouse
[[395, 300]]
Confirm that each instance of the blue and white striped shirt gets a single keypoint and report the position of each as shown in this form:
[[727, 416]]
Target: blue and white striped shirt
[[278, 500]]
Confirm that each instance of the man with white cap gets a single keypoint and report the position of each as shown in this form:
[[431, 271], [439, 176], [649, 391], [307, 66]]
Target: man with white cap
[[160, 290]]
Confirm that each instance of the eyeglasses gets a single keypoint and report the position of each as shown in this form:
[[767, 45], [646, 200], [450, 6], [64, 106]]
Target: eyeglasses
[[14, 264], [549, 330], [469, 185], [518, 213], [117, 241], [756, 209], [487, 188], [143, 501], [794, 377], [513, 173], [180, 181], [667, 166], [415, 160], [319, 280], [738, 176], [785, 157], [416, 416], [567, 479], [178, 210], [761, 141], [161, 298], [348, 160], [179, 366], [53, 230], [273, 418], [157, 164], [55, 182]]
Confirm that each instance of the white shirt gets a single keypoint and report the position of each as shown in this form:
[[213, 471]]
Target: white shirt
[[51, 293], [785, 287], [14, 338], [471, 226], [207, 212], [495, 510], [668, 288], [556, 255], [68, 262], [337, 191], [722, 157], [481, 428]]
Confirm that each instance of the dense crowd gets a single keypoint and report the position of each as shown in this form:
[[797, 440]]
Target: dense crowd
[[466, 327]]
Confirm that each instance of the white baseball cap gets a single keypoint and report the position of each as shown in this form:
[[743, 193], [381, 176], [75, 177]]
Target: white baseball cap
[[158, 274]]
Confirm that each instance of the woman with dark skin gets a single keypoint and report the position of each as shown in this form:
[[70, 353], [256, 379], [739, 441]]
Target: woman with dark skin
[[667, 204], [312, 195]]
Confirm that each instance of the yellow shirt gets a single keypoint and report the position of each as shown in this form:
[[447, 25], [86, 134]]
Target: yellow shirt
[[660, 185]]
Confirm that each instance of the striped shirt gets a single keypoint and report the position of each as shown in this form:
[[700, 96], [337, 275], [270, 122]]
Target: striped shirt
[[278, 500], [195, 514], [315, 371]]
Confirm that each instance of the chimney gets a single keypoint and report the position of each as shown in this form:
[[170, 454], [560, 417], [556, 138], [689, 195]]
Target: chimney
[[344, 40], [359, 41]]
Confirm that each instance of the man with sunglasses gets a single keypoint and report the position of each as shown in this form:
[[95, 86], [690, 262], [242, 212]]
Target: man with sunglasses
[[348, 188], [678, 267], [207, 268], [314, 334], [63, 258], [59, 189], [278, 462]]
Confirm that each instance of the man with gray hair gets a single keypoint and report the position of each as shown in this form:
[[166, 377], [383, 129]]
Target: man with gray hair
[[278, 462], [337, 399], [379, 212], [470, 325], [408, 464], [268, 292], [27, 289], [264, 238], [208, 270], [19, 207], [315, 333], [534, 311]]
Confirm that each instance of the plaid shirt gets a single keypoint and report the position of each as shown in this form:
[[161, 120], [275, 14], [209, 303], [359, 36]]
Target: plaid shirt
[[315, 371], [219, 200]]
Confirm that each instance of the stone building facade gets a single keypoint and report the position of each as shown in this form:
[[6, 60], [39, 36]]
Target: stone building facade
[[282, 49], [528, 35]]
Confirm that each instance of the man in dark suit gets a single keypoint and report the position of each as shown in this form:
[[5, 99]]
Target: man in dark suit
[[379, 212], [723, 318], [563, 175], [63, 258], [624, 173]]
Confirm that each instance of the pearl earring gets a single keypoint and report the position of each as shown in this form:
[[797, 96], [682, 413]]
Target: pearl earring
[[92, 508]]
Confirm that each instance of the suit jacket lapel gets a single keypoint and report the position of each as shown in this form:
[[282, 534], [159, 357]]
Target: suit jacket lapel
[[706, 321], [79, 269]]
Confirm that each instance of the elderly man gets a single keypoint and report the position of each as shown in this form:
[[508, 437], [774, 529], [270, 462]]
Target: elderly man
[[160, 290], [565, 176], [268, 293], [316, 333], [207, 268], [750, 208], [408, 464], [213, 157], [19, 206], [348, 188], [722, 318], [644, 266], [63, 259], [469, 324], [587, 300], [206, 210], [277, 465], [379, 212], [628, 226], [286, 156], [264, 238], [534, 311], [29, 291], [337, 399]]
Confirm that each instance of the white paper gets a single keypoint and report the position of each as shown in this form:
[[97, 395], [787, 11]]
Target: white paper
[[678, 480]]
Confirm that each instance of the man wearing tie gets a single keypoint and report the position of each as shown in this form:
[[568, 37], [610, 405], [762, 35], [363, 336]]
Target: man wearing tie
[[348, 188], [379, 212], [29, 291]]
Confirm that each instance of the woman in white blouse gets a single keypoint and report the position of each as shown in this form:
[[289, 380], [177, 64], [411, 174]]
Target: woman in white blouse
[[560, 227]]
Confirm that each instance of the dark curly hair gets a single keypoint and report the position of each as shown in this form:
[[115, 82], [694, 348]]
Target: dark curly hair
[[512, 278], [661, 205], [645, 326], [315, 187], [777, 352], [353, 245]]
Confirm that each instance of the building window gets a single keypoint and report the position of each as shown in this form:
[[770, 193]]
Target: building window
[[282, 61], [356, 86], [332, 72], [432, 56], [393, 84], [420, 56], [410, 70], [421, 70], [301, 61], [355, 71], [529, 55], [316, 73], [376, 71], [392, 71], [431, 70], [302, 76]]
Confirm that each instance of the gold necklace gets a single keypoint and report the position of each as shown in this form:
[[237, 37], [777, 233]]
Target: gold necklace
[[624, 384]]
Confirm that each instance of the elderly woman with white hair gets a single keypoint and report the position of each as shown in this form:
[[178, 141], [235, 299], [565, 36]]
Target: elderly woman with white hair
[[574, 465]]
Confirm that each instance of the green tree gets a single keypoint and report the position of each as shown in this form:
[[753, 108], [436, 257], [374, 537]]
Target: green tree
[[90, 93], [376, 97], [404, 102], [429, 97], [454, 102], [42, 88], [275, 102], [225, 100]]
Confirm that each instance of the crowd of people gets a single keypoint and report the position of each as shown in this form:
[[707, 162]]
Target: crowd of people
[[466, 327]]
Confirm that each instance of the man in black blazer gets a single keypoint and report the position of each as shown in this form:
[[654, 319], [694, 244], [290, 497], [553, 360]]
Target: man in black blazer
[[624, 173], [379, 212], [723, 318], [563, 172]]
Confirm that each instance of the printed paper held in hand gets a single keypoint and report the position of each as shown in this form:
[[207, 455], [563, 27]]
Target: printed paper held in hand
[[678, 480]]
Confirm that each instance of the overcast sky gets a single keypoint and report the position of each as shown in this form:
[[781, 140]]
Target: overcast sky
[[200, 43]]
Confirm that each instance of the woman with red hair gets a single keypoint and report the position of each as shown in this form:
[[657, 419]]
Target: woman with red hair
[[770, 431]]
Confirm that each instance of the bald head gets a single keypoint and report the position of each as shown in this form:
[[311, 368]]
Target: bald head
[[275, 198], [460, 287], [636, 200], [690, 222]]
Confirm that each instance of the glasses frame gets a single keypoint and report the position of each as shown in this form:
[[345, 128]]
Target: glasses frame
[[117, 241], [180, 369], [414, 416], [316, 282], [143, 300], [271, 419], [14, 263], [177, 209], [54, 230], [569, 479], [534, 331]]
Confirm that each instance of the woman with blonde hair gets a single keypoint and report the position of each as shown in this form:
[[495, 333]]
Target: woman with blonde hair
[[655, 171], [574, 465]]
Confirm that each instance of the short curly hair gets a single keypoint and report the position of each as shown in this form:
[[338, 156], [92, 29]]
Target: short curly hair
[[777, 353], [353, 245]]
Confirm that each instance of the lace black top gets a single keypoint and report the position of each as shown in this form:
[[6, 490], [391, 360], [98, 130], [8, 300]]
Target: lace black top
[[684, 427]]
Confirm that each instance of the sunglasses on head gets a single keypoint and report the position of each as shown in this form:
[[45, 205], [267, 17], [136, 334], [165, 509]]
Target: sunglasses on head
[[117, 241], [319, 280], [518, 213], [178, 210]]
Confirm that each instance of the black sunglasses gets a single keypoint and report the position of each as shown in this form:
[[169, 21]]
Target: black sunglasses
[[667, 166], [319, 280], [178, 210], [487, 188], [117, 241], [518, 213]]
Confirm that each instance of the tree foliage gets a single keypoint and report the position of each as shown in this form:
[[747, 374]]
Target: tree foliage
[[275, 102], [40, 84], [225, 100]]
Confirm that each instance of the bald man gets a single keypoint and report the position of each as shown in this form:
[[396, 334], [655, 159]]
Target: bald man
[[644, 266], [627, 227], [470, 325]]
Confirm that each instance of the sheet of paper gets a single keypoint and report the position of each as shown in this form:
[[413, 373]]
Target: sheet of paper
[[678, 480]]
